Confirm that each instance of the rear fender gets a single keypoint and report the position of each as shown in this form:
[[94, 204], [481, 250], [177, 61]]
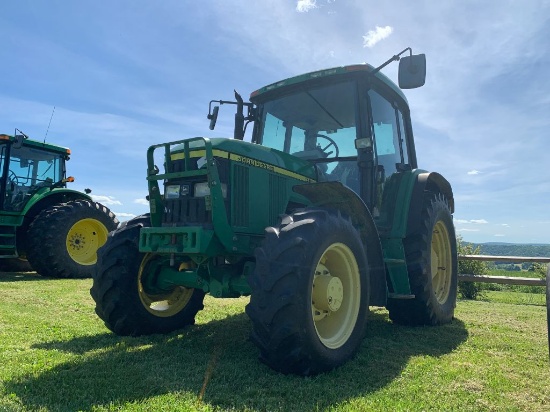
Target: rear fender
[[427, 181], [334, 195], [403, 199], [46, 198]]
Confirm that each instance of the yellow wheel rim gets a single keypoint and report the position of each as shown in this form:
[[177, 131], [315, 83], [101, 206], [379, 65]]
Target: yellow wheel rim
[[442, 262], [166, 304], [84, 238], [336, 295]]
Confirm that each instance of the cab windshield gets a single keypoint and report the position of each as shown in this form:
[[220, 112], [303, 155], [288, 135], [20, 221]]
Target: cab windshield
[[318, 125], [29, 170], [312, 124]]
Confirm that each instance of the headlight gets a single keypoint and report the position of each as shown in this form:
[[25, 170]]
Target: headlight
[[175, 191], [202, 189], [172, 192]]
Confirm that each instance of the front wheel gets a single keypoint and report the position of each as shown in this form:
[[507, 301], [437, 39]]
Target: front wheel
[[119, 289], [62, 241], [310, 291], [432, 263]]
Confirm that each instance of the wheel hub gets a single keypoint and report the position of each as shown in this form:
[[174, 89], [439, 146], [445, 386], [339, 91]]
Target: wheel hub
[[83, 240], [328, 291]]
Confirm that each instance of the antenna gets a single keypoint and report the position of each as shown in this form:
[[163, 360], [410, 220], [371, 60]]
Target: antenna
[[48, 129]]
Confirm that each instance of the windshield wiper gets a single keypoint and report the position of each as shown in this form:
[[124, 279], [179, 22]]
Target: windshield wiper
[[324, 109]]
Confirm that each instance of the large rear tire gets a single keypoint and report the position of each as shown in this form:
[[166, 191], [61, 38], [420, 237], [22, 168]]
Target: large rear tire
[[62, 241], [310, 290], [432, 263], [122, 301]]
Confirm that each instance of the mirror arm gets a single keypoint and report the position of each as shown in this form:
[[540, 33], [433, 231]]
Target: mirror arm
[[392, 59]]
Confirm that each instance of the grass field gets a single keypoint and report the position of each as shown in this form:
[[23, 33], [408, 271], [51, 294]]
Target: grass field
[[56, 355]]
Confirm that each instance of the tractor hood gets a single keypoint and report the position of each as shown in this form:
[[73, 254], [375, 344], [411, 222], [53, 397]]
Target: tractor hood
[[252, 155]]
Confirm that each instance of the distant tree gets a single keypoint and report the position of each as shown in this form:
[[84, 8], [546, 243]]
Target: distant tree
[[470, 290], [539, 268]]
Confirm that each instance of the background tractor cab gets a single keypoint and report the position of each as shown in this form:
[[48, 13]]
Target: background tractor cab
[[26, 170]]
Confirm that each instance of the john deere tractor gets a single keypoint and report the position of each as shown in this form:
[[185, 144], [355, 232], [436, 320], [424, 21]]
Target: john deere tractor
[[43, 225], [322, 214]]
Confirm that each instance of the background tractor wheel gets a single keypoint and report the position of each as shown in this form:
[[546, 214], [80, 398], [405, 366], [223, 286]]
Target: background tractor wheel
[[122, 301], [432, 263], [310, 290], [62, 241]]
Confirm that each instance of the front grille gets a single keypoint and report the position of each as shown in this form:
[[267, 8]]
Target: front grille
[[241, 213], [189, 211], [278, 197]]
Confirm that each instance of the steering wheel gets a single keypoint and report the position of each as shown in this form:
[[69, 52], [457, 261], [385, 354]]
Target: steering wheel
[[12, 177], [331, 143]]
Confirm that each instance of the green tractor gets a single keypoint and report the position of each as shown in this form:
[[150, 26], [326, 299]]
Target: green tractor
[[43, 225], [323, 214]]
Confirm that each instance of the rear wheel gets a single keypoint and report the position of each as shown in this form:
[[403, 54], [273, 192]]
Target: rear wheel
[[62, 241], [309, 298], [432, 263], [120, 291]]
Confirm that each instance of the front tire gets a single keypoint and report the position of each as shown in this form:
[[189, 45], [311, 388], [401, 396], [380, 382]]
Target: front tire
[[432, 263], [121, 298], [310, 289], [62, 241]]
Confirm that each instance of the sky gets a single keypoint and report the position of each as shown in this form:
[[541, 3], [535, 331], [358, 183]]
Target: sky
[[110, 78]]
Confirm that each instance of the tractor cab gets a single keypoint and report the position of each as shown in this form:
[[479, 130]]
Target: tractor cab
[[353, 125], [351, 122], [28, 168]]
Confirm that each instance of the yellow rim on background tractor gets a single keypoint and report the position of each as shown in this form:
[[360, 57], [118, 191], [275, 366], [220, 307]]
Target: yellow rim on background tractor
[[166, 304], [442, 262], [336, 295], [84, 238]]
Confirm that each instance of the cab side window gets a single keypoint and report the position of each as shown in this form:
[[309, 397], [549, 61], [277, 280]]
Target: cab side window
[[389, 134], [389, 131]]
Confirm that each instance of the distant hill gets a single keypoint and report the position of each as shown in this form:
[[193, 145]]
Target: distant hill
[[512, 249]]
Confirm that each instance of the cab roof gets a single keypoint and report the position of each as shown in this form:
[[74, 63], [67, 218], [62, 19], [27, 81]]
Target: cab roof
[[335, 71], [36, 144]]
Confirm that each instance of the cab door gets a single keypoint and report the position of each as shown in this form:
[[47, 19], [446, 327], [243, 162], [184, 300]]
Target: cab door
[[393, 153]]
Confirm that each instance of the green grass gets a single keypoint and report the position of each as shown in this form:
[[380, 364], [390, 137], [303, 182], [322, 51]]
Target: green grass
[[56, 355]]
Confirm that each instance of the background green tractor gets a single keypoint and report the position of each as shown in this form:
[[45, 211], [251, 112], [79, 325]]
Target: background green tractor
[[43, 225], [322, 214]]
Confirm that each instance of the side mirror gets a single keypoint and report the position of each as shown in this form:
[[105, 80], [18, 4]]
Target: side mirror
[[412, 71], [213, 117]]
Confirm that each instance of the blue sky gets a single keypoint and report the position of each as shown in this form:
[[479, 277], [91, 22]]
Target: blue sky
[[123, 75]]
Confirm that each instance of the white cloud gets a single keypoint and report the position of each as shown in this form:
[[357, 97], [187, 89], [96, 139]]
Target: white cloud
[[468, 230], [144, 202], [499, 235], [374, 36], [124, 216], [106, 200], [474, 221], [474, 172], [303, 6], [505, 224]]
